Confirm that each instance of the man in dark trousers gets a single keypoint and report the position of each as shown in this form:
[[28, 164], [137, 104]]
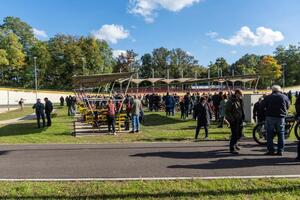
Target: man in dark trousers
[[39, 111], [276, 107], [62, 101], [203, 118], [48, 110], [234, 113]]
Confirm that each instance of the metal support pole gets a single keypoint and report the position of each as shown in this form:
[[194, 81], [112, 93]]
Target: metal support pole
[[208, 76], [35, 78], [168, 77], [8, 100]]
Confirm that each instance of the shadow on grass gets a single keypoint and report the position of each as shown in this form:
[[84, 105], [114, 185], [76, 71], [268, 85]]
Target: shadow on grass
[[20, 129], [158, 120], [170, 194]]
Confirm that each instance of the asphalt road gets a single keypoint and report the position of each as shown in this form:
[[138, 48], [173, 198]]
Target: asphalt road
[[202, 159]]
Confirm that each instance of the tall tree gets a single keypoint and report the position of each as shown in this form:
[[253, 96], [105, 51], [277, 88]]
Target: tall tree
[[126, 62], [270, 70], [289, 58], [146, 70], [161, 61], [15, 56], [247, 63], [3, 63]]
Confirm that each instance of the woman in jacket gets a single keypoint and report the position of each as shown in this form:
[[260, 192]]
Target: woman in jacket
[[203, 117]]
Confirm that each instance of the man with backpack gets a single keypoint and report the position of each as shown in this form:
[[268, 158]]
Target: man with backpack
[[234, 113]]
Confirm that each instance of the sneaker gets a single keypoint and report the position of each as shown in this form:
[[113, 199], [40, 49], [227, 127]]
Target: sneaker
[[206, 138], [137, 131], [237, 147], [131, 132]]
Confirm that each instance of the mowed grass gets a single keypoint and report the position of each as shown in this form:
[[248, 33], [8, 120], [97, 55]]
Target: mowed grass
[[27, 110], [156, 128], [234, 189]]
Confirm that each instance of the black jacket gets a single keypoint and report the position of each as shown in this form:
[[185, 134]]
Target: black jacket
[[48, 107], [39, 108], [234, 110], [276, 105], [202, 114]]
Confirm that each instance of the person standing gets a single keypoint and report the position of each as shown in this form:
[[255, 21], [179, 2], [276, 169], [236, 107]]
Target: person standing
[[135, 114], [48, 110], [222, 110], [111, 113], [39, 112], [234, 114], [62, 101], [21, 103], [203, 118], [276, 107], [169, 100], [297, 106], [68, 101]]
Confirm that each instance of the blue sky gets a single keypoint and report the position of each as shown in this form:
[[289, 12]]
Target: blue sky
[[206, 28]]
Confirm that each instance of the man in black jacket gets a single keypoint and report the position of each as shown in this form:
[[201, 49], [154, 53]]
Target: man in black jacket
[[297, 106], [48, 110], [39, 111], [234, 113], [276, 108]]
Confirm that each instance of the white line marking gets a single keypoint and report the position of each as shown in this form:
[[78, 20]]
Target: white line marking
[[146, 178]]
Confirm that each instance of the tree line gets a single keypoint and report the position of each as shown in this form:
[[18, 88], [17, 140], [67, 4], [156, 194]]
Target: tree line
[[62, 56]]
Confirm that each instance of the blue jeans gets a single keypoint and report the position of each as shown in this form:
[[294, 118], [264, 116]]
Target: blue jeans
[[135, 123], [275, 125]]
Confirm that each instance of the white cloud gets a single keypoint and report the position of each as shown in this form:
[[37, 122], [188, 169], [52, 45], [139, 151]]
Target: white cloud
[[212, 34], [233, 52], [111, 33], [147, 8], [262, 36], [39, 33], [117, 53]]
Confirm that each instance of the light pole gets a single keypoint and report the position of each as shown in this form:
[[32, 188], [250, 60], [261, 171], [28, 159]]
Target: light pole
[[35, 77], [153, 79], [83, 62], [208, 76], [168, 62], [233, 81]]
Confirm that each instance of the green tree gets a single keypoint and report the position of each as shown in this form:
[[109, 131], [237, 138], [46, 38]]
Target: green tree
[[126, 62], [146, 69], [182, 63], [289, 58], [161, 61], [21, 29], [15, 56], [3, 63], [247, 63]]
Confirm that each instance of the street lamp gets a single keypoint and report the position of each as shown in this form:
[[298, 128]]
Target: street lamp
[[83, 62], [168, 62], [35, 77], [208, 76], [244, 73]]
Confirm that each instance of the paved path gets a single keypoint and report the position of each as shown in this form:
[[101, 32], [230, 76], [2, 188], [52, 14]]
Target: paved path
[[17, 120], [203, 159]]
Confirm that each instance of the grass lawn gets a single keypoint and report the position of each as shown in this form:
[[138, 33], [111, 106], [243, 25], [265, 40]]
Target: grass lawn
[[16, 113], [181, 189], [156, 128]]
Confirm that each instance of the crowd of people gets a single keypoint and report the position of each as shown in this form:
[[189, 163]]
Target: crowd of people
[[223, 107]]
